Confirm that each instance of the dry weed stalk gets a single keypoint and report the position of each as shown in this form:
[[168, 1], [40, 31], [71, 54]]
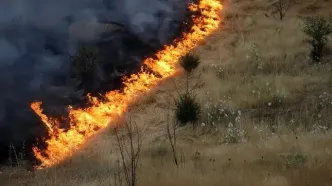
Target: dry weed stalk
[[171, 134], [281, 7], [129, 144]]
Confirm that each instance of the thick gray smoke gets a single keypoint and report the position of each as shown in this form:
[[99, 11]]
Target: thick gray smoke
[[37, 36]]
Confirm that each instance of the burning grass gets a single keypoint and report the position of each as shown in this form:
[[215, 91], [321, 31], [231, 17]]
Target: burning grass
[[277, 128], [86, 122]]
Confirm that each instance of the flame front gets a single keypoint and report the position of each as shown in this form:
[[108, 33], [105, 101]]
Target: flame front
[[83, 123]]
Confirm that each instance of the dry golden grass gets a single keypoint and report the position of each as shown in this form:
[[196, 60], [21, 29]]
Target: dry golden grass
[[282, 137]]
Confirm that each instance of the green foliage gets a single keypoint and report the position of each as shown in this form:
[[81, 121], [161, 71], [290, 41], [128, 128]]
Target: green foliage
[[85, 60], [317, 29], [294, 160], [189, 62], [187, 109]]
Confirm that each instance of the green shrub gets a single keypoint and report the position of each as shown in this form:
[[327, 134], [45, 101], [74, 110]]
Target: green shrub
[[317, 28], [189, 62], [294, 160], [187, 109]]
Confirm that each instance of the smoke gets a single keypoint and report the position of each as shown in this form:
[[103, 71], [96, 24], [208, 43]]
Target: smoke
[[38, 36]]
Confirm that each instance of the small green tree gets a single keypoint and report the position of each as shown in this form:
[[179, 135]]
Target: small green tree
[[187, 109], [189, 63], [317, 28]]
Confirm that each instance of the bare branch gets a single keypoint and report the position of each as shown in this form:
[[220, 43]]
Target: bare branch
[[171, 134], [281, 7], [129, 145]]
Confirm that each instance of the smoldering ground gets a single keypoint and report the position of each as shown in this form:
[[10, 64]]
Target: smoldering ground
[[37, 38]]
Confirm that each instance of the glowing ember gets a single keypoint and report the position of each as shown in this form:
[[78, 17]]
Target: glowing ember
[[86, 122]]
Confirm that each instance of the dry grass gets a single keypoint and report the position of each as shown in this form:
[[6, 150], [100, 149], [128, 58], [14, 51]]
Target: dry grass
[[255, 65]]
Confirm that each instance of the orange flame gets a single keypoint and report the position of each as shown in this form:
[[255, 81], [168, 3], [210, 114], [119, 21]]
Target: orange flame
[[86, 122]]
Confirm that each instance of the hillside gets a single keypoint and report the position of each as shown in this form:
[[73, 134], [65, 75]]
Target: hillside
[[265, 121]]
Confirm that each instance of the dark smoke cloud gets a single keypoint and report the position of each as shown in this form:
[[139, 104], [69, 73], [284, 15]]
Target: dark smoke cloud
[[37, 36]]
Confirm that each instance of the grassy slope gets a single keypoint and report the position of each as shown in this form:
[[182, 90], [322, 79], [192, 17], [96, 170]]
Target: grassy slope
[[280, 95]]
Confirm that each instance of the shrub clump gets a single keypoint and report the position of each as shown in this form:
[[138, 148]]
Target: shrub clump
[[187, 109], [189, 62], [317, 28]]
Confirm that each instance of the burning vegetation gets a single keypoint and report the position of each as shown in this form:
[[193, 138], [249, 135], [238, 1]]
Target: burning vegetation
[[57, 58], [252, 98], [101, 112]]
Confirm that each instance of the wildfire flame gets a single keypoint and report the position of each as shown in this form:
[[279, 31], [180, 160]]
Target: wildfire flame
[[83, 123]]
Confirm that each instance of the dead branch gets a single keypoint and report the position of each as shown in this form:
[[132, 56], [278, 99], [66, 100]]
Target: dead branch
[[171, 134], [129, 144], [281, 7]]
